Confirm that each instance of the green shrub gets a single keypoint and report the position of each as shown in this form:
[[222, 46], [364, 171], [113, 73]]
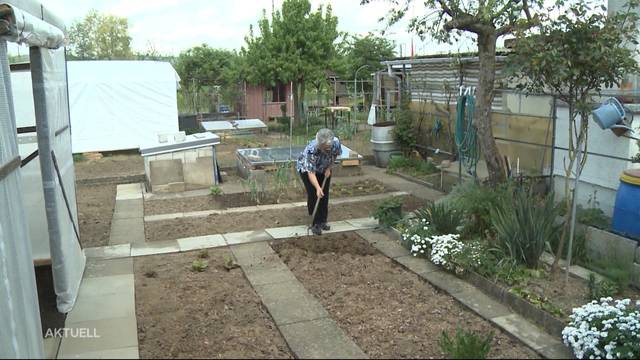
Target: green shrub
[[442, 218], [466, 344], [345, 131], [389, 211], [593, 217], [523, 227], [477, 201], [404, 132], [414, 167], [579, 246], [601, 289]]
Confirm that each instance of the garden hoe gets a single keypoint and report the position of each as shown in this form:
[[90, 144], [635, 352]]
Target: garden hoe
[[315, 208]]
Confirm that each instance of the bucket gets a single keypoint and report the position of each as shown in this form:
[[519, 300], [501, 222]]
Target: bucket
[[608, 114]]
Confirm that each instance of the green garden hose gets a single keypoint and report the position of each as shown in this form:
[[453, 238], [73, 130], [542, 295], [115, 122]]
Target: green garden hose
[[466, 134]]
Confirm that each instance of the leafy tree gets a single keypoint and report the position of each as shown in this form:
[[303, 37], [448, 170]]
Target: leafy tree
[[295, 46], [367, 50], [100, 36], [574, 56], [487, 20], [215, 72]]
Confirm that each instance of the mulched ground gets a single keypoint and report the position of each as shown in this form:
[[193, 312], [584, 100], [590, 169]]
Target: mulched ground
[[210, 314], [387, 310], [112, 164], [95, 211], [225, 201], [244, 221]]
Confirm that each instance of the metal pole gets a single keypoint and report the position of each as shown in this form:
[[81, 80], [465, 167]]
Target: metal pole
[[553, 138], [215, 165], [355, 91]]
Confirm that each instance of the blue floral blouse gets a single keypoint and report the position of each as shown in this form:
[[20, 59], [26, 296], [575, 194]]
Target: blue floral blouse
[[312, 159]]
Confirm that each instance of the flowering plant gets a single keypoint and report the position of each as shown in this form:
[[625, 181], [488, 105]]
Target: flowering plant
[[604, 330], [444, 249]]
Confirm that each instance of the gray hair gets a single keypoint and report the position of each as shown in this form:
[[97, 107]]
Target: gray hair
[[324, 137]]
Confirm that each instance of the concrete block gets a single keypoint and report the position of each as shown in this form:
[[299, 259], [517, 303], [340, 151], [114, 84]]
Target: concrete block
[[163, 172], [253, 253], [417, 265], [90, 308], [122, 353], [446, 282], [129, 191], [106, 335], [201, 242], [108, 252], [638, 255], [163, 217], [127, 231], [526, 332], [339, 226], [271, 271], [383, 243], [603, 244], [481, 303], [107, 285], [289, 302], [635, 276], [199, 171], [125, 209], [247, 237], [363, 223], [155, 247], [320, 339], [100, 267], [288, 231]]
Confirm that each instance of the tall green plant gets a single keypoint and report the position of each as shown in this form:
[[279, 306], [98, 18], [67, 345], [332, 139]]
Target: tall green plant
[[523, 227], [441, 217], [466, 344], [476, 201], [404, 132]]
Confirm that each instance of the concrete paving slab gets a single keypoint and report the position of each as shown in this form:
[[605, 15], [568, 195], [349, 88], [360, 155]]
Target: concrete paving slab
[[107, 285], [447, 282], [163, 217], [101, 267], [201, 242], [125, 209], [51, 346], [339, 226], [129, 191], [320, 339], [247, 237], [155, 247], [363, 223], [254, 253], [374, 197], [556, 351], [481, 303], [124, 353], [126, 231], [89, 308], [383, 243], [289, 302], [203, 213], [241, 209], [419, 266], [103, 335], [268, 272], [287, 231], [525, 331], [108, 252]]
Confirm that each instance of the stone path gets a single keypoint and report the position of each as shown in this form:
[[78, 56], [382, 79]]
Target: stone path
[[302, 320], [500, 315], [104, 312], [338, 201], [127, 226]]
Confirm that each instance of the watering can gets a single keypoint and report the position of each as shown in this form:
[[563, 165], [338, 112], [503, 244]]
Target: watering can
[[611, 115]]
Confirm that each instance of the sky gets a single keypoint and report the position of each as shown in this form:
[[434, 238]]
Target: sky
[[171, 26]]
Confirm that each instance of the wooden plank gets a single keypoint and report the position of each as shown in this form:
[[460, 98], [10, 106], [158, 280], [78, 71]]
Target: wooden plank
[[354, 162]]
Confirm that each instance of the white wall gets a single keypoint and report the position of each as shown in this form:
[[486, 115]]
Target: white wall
[[600, 174]]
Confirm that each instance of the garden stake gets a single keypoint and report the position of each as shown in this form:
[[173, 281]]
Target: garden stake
[[315, 208]]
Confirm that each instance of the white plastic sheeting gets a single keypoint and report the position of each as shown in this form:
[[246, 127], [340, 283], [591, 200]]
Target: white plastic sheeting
[[30, 30], [20, 329], [54, 143], [117, 105]]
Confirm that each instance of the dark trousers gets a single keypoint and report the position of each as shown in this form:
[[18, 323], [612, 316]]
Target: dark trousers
[[323, 206]]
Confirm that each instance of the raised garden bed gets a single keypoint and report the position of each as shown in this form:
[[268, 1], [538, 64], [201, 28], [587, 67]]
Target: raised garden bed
[[95, 211], [225, 201], [388, 311], [244, 221], [209, 314]]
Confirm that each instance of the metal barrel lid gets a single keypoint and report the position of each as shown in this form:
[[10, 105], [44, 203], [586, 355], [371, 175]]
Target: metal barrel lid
[[631, 176]]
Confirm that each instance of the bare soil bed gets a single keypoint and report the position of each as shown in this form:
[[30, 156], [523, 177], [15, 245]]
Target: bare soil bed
[[387, 310], [112, 164], [225, 201], [95, 211], [244, 221], [210, 314]]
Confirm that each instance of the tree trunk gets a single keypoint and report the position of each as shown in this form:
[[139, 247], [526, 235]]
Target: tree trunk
[[487, 55]]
